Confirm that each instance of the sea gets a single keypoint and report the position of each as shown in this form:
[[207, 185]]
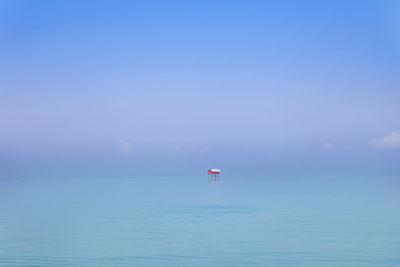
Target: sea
[[198, 221]]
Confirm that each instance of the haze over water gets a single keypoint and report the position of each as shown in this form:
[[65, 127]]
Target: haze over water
[[111, 112]]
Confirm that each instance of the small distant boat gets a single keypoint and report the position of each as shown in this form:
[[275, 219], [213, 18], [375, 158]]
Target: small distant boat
[[214, 171]]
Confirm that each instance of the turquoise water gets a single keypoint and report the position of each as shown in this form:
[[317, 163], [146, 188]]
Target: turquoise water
[[187, 221]]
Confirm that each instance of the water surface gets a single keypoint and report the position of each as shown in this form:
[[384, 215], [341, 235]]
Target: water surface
[[187, 221]]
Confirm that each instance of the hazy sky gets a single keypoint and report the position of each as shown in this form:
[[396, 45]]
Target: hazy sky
[[267, 85]]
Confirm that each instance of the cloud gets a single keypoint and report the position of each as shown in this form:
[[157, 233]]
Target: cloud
[[327, 146], [389, 141], [205, 149], [125, 146], [92, 147]]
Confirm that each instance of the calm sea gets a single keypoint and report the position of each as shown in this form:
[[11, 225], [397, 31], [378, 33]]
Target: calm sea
[[189, 221]]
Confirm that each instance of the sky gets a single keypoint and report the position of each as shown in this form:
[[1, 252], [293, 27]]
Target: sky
[[176, 87]]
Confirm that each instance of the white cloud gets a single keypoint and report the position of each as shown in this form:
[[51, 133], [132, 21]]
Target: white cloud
[[327, 146], [125, 146], [389, 141], [205, 149]]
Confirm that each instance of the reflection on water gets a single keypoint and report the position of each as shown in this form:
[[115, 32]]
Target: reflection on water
[[187, 221], [213, 178]]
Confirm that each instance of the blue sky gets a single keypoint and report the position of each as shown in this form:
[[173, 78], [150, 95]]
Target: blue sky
[[312, 86]]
